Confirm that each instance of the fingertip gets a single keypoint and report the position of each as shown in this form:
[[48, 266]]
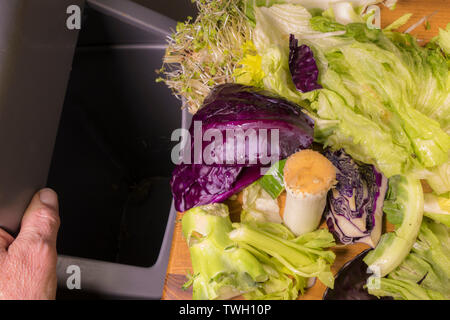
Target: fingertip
[[49, 198], [5, 239], [41, 219]]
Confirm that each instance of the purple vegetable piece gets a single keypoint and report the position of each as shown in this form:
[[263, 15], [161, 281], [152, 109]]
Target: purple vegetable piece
[[227, 108], [350, 281], [195, 185], [355, 205], [230, 107], [303, 66]]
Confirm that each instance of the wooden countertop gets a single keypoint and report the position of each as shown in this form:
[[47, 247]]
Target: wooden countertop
[[179, 261]]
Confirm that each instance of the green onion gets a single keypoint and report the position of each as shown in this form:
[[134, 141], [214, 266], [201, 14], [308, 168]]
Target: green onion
[[272, 182]]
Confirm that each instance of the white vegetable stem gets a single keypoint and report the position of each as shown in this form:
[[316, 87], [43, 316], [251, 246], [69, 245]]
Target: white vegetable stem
[[303, 211], [344, 13]]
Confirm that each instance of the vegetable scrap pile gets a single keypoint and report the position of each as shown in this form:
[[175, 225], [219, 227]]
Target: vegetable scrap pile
[[362, 121]]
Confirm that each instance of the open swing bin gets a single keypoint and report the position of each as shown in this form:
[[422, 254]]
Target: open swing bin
[[81, 112], [111, 164]]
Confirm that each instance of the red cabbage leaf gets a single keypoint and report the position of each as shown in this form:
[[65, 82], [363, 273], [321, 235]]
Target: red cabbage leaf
[[195, 185], [355, 205], [231, 107], [302, 66]]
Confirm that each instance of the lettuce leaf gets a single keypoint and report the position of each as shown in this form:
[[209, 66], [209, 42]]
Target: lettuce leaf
[[404, 290], [425, 272], [258, 205], [257, 258], [399, 22], [249, 71], [303, 256], [438, 177], [371, 74], [444, 39], [403, 207], [398, 126], [221, 270], [437, 208]]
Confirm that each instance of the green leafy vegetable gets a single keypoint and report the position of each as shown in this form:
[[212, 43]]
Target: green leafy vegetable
[[221, 270], [370, 74], [260, 259], [437, 207], [439, 178], [259, 205], [273, 181], [444, 39], [284, 282], [425, 272], [342, 9], [404, 290], [294, 255], [398, 126], [403, 207], [433, 245], [399, 22], [248, 71], [343, 12]]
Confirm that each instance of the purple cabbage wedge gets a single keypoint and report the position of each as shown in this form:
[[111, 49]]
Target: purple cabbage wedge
[[355, 205], [278, 128], [195, 185], [228, 108], [302, 66]]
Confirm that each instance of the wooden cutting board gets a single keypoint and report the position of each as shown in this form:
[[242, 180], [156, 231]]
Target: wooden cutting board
[[179, 261]]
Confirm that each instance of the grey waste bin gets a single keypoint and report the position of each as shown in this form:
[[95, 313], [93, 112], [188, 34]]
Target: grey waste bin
[[111, 165], [100, 138], [36, 50]]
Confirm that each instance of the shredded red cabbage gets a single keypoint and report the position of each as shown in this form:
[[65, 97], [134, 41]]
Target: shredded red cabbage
[[355, 204], [303, 66]]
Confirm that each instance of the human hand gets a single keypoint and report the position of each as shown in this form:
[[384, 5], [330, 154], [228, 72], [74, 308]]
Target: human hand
[[28, 263]]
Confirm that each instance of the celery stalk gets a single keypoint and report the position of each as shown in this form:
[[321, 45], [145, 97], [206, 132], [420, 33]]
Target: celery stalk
[[299, 259]]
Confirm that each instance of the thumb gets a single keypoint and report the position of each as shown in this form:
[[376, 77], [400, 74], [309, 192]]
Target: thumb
[[5, 240], [41, 219]]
